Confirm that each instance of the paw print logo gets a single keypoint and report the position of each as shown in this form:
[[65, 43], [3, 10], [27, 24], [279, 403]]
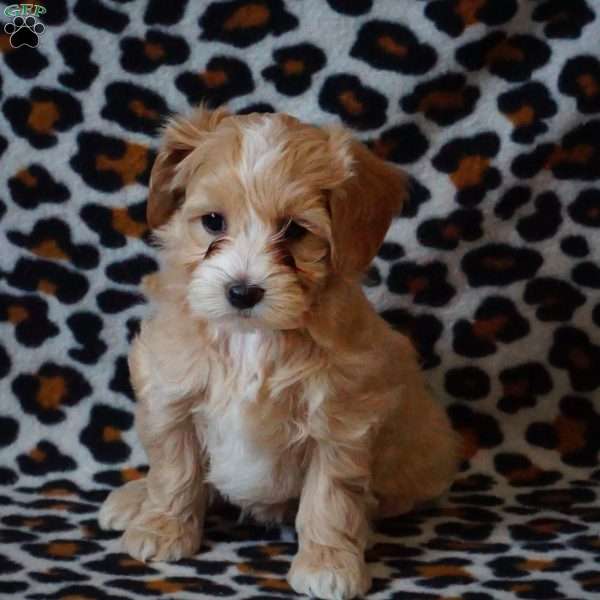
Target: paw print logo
[[24, 31]]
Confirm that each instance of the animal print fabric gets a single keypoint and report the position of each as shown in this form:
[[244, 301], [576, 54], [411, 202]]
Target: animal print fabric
[[492, 106]]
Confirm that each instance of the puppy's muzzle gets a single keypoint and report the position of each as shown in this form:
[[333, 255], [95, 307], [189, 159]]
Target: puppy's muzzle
[[241, 295]]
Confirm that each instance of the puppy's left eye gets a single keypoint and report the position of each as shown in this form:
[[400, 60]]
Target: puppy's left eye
[[213, 222], [294, 231]]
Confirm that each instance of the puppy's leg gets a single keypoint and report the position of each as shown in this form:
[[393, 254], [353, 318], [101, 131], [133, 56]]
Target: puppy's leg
[[169, 523], [122, 505], [332, 525]]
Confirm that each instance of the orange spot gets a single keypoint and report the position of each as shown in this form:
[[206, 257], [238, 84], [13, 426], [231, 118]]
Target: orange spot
[[579, 359], [274, 584], [390, 45], [51, 392], [49, 249], [520, 588], [593, 213], [383, 148], [351, 103], [37, 455], [431, 571], [535, 565], [5, 46], [26, 178], [62, 549], [17, 313], [578, 154], [214, 79], [504, 52], [470, 445], [530, 473], [489, 328], [517, 389], [130, 562], [467, 10], [588, 84], [129, 166], [498, 264], [139, 109], [451, 232], [441, 100], [51, 492], [165, 587], [42, 116], [33, 523], [293, 67], [522, 117], [153, 51], [111, 434], [571, 434], [252, 14], [418, 284], [470, 172], [47, 287], [131, 474], [125, 225]]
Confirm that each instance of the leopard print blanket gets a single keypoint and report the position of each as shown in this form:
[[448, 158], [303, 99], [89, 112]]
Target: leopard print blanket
[[492, 106]]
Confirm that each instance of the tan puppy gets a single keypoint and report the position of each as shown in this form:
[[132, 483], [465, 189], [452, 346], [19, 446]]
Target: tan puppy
[[264, 372]]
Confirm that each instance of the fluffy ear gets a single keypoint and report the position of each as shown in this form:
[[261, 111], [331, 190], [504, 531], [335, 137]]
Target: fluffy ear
[[181, 135], [362, 208]]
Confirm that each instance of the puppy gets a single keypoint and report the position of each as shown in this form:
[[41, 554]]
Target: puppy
[[263, 372]]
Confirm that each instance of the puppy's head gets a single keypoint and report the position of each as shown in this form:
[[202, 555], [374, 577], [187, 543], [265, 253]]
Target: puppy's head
[[259, 211]]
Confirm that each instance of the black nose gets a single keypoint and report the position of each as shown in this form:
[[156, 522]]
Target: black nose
[[242, 295]]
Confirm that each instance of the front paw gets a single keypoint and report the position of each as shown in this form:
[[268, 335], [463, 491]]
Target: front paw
[[327, 573], [162, 538], [122, 505]]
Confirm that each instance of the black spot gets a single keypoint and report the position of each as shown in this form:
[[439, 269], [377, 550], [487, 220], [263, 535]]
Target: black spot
[[521, 472], [102, 435], [454, 16], [294, 67], [259, 107], [545, 222], [372, 277], [354, 8], [557, 299], [25, 62], [242, 23], [100, 16], [133, 328], [500, 265], [223, 79], [86, 328], [585, 209], [481, 429], [29, 315], [444, 100], [402, 144], [51, 239], [10, 431], [53, 550], [496, 320], [57, 575], [557, 498], [513, 58], [121, 382], [115, 301], [580, 78], [359, 106], [119, 564], [467, 383], [43, 459], [50, 278], [527, 107], [573, 351], [423, 330], [467, 162], [417, 194], [394, 47], [76, 52], [134, 108], [45, 112], [77, 591], [131, 270], [160, 13], [425, 283], [33, 186], [115, 226], [44, 394], [446, 233], [522, 385], [390, 251], [145, 55], [563, 19], [575, 246], [511, 201], [5, 362], [576, 157], [587, 274]]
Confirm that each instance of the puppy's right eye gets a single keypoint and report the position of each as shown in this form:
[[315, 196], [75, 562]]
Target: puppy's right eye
[[214, 222]]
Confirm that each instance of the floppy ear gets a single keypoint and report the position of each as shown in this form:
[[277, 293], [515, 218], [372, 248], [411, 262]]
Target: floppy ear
[[180, 136], [362, 208]]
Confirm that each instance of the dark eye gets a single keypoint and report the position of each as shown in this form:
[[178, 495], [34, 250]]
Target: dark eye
[[213, 222], [294, 231]]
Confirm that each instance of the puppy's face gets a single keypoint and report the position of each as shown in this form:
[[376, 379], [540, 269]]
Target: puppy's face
[[252, 209]]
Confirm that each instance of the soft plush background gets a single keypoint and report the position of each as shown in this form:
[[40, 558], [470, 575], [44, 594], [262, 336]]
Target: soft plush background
[[493, 107]]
